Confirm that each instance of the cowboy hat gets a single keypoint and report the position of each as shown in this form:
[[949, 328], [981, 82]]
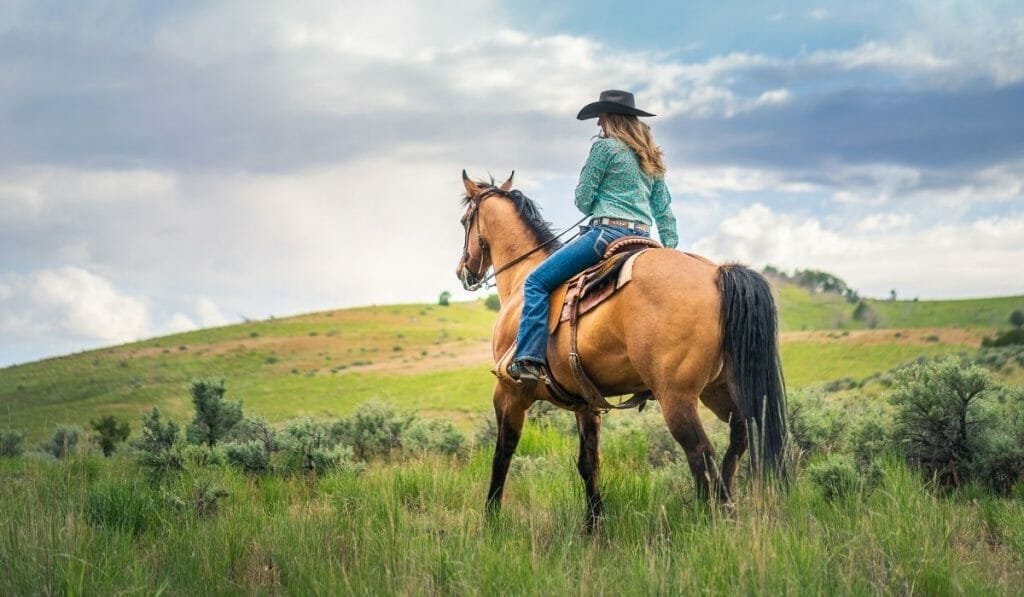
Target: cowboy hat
[[612, 101]]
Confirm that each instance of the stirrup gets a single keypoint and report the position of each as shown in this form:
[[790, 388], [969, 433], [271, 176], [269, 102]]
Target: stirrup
[[526, 372]]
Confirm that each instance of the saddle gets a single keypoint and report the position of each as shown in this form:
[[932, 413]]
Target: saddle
[[581, 294]]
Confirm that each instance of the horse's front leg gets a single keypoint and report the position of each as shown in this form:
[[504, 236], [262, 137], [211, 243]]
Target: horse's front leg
[[589, 464], [510, 411]]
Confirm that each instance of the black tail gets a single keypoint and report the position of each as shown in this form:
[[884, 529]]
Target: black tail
[[751, 347]]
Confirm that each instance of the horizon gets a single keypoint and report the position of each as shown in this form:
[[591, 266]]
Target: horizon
[[171, 168]]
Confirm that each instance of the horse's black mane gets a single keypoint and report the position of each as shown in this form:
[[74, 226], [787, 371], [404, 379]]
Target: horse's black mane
[[528, 211]]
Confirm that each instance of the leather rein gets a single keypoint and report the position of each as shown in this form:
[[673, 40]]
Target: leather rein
[[468, 222]]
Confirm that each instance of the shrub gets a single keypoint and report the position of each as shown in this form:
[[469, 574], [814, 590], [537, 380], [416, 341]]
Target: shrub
[[63, 442], [493, 302], [485, 434], [157, 450], [251, 456], [214, 417], [1017, 318], [110, 431], [307, 447], [835, 476], [870, 436], [12, 442], [200, 455], [256, 429], [433, 437], [1010, 337], [939, 419], [815, 425], [202, 498], [444, 298], [373, 431]]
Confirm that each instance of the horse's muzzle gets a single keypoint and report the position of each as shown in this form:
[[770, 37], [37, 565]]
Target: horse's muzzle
[[469, 281]]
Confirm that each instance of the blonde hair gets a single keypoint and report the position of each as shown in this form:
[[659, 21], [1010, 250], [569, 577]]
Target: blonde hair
[[637, 136]]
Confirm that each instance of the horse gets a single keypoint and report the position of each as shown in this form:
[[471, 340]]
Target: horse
[[684, 329]]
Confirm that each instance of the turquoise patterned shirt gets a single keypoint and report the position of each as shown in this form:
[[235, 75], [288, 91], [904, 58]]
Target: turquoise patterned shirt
[[612, 185]]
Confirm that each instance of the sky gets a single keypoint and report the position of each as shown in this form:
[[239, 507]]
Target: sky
[[166, 166]]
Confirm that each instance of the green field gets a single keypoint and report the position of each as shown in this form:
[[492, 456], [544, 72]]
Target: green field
[[412, 524], [90, 526], [426, 358]]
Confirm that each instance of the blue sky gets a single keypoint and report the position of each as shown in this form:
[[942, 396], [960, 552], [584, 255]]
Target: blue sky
[[167, 166]]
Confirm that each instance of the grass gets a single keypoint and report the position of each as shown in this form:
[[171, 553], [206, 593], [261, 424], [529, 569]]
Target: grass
[[94, 526], [324, 364]]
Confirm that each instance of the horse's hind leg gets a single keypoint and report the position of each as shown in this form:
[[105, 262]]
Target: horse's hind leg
[[510, 411], [680, 412], [589, 464], [720, 401]]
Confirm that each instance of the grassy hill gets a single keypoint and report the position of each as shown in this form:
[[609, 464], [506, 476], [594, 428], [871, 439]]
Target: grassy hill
[[429, 358]]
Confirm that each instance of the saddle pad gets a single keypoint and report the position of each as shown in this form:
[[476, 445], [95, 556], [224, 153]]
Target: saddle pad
[[600, 283]]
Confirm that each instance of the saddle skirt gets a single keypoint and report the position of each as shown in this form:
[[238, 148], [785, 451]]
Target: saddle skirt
[[598, 283]]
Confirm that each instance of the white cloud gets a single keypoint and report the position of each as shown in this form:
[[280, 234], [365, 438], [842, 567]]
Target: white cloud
[[951, 260], [819, 14], [209, 313], [179, 322], [71, 300]]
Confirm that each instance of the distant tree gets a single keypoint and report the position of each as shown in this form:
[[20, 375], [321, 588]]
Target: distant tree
[[443, 299], [110, 431], [892, 294], [493, 302], [1017, 318], [214, 417]]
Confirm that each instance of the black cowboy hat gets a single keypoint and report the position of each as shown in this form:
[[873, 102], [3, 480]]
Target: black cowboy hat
[[612, 101]]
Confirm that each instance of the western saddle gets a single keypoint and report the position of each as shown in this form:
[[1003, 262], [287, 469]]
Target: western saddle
[[581, 294]]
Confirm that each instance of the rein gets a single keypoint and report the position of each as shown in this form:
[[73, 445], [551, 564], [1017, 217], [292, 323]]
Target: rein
[[484, 247]]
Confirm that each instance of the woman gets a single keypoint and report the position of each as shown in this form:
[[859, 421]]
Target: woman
[[622, 187]]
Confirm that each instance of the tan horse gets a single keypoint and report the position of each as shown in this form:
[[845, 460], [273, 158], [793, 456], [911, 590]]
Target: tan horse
[[683, 328]]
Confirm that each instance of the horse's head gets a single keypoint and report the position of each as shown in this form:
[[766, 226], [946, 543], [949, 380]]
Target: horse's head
[[476, 258]]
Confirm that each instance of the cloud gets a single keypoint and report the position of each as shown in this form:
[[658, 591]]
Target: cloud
[[209, 313], [879, 253], [70, 300]]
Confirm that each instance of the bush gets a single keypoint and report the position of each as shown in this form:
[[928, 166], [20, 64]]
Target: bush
[[63, 442], [110, 431], [158, 450], [444, 298], [256, 429], [373, 431], [202, 498], [251, 456], [1010, 337], [870, 436], [201, 455], [12, 442], [939, 418], [307, 447], [815, 425], [493, 302], [835, 476], [215, 417], [1017, 318], [433, 437]]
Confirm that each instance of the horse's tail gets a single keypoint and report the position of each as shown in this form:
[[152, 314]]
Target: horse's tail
[[753, 367]]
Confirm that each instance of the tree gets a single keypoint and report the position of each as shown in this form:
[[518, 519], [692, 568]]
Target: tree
[[157, 449], [215, 417], [493, 302], [892, 294], [1017, 318], [110, 431], [443, 299]]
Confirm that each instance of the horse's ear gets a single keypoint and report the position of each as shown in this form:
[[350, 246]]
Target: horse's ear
[[471, 187], [507, 185]]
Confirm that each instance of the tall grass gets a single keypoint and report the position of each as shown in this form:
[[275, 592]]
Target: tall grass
[[92, 526]]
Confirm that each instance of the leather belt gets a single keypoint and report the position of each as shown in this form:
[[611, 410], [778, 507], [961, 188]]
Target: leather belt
[[632, 225]]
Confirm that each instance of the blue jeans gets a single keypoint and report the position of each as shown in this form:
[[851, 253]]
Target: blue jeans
[[584, 251]]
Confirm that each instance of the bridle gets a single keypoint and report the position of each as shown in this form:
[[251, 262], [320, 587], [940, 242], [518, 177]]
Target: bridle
[[472, 217]]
